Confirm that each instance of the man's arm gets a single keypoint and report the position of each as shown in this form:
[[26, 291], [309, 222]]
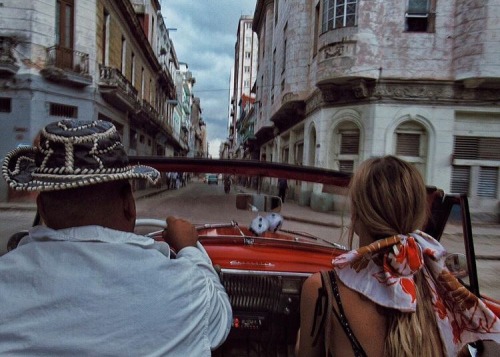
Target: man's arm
[[182, 236]]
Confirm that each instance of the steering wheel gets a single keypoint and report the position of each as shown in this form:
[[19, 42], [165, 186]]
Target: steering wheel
[[156, 223]]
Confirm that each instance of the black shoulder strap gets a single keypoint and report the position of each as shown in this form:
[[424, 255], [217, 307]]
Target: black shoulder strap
[[356, 346]]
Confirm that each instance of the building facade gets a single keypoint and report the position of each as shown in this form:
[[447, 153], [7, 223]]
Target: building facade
[[340, 81], [93, 59], [198, 139], [243, 78]]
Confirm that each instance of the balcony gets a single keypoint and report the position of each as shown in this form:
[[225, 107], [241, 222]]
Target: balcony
[[8, 66], [149, 116], [117, 90], [291, 111], [65, 65]]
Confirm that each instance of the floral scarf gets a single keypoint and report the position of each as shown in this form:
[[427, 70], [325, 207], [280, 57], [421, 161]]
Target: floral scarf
[[383, 271]]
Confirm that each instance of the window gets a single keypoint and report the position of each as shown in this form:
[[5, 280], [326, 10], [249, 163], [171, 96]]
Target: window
[[276, 9], [150, 88], [488, 182], [124, 55], [247, 69], [247, 55], [299, 153], [62, 110], [284, 47], [273, 73], [5, 105], [349, 142], [411, 144], [347, 147], [316, 29], [105, 38], [338, 14], [408, 144], [64, 23], [346, 165], [64, 33], [142, 83], [133, 139], [476, 148], [284, 155], [132, 70], [486, 177], [418, 17], [460, 178], [473, 172]]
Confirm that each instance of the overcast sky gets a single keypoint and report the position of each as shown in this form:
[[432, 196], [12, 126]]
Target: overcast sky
[[205, 40]]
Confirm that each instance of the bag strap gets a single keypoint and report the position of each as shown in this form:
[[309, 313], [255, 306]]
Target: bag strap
[[330, 283]]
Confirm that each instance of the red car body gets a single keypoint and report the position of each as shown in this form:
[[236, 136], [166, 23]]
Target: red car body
[[263, 275]]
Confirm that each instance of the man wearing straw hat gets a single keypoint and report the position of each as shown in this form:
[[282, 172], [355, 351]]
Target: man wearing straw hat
[[83, 283]]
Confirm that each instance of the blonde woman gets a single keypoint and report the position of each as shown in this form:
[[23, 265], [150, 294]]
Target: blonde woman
[[392, 296]]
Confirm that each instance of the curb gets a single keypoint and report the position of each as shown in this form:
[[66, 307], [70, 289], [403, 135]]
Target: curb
[[310, 221], [149, 194]]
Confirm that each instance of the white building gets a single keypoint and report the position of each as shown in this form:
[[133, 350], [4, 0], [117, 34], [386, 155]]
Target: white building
[[243, 78], [93, 59], [340, 81]]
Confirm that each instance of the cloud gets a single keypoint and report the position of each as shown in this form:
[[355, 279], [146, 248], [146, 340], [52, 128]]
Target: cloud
[[205, 40], [213, 148]]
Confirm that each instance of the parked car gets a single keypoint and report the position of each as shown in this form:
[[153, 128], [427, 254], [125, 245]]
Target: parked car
[[212, 178], [263, 272]]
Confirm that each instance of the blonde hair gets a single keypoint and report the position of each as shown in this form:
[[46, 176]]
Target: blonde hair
[[388, 197]]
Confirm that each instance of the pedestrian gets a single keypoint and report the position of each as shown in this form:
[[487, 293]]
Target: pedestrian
[[177, 180], [83, 284], [393, 296], [169, 180], [282, 188]]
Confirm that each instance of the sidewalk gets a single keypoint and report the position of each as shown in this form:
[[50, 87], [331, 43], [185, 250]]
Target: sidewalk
[[486, 235]]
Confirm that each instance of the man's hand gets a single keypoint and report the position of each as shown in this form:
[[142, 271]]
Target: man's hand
[[180, 233]]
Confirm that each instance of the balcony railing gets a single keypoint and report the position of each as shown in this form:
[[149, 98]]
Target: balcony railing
[[150, 111], [117, 89], [68, 59], [67, 65]]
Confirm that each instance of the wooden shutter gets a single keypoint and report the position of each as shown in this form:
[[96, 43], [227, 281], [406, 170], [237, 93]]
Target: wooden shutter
[[408, 144], [460, 178], [349, 143], [346, 165], [477, 148], [488, 182]]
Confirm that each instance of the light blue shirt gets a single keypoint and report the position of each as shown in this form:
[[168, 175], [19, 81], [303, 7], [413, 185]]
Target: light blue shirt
[[93, 291]]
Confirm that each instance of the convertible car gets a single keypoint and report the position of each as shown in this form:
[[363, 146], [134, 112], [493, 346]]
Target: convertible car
[[263, 263], [263, 267]]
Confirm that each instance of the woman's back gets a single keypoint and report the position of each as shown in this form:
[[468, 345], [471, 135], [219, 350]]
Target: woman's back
[[367, 321]]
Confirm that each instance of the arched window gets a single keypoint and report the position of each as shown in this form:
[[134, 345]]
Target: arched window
[[411, 144], [346, 147]]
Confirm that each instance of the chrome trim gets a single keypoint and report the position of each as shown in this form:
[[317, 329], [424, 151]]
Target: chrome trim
[[272, 273]]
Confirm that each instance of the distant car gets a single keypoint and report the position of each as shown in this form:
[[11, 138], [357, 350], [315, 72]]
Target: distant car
[[212, 178]]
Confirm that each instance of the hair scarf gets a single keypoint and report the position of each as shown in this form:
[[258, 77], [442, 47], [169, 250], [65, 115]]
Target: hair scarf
[[383, 271]]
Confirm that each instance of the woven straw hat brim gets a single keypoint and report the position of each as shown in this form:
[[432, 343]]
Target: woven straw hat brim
[[19, 170]]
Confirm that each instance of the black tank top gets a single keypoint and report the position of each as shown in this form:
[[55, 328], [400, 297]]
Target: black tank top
[[324, 309]]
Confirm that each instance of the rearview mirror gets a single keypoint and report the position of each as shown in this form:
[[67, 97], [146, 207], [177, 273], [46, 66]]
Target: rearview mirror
[[258, 202], [457, 265]]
